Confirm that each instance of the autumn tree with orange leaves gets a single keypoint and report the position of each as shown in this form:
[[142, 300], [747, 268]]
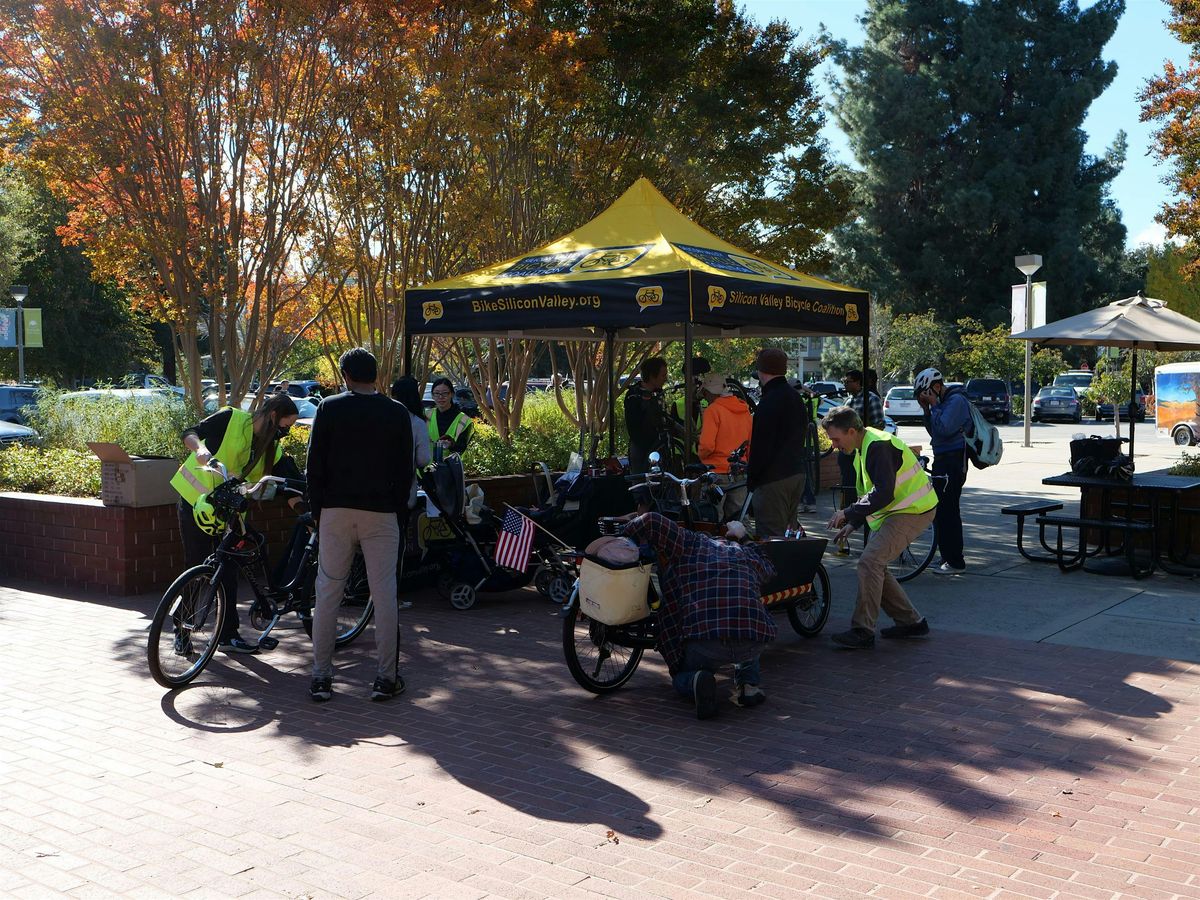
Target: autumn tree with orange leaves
[[190, 139], [1173, 100]]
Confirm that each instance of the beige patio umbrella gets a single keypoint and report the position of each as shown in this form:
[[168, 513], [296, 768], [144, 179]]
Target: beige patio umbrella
[[1137, 323]]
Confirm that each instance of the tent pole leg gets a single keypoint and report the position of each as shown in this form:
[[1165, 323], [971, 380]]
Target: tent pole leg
[[1132, 396], [866, 367], [408, 351], [689, 390], [609, 346]]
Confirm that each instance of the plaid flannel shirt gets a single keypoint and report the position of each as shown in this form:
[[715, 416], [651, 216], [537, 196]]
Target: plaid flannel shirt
[[874, 412], [711, 588]]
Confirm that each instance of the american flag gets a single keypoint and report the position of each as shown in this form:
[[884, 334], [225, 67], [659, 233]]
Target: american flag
[[515, 541]]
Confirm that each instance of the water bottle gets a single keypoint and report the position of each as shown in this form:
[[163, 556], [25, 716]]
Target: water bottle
[[438, 451]]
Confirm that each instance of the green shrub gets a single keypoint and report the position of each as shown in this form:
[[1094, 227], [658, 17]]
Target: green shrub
[[35, 470], [1189, 464], [295, 445], [68, 422], [545, 435]]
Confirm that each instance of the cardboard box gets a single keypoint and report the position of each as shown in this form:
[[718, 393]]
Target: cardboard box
[[134, 480]]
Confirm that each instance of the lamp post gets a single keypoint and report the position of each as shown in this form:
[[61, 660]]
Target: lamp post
[[19, 293], [1027, 266]]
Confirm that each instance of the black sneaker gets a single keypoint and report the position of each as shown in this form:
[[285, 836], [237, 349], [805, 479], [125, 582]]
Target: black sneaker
[[183, 643], [749, 696], [237, 644], [915, 629], [855, 639], [321, 689], [704, 692], [385, 690]]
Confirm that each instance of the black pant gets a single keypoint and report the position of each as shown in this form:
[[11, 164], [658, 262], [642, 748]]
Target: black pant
[[952, 464], [197, 546]]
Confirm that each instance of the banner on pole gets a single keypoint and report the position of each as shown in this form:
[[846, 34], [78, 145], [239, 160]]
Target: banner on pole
[[8, 328], [33, 328], [1018, 307]]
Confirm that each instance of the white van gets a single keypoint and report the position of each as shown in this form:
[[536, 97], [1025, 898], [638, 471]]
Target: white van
[[1177, 402]]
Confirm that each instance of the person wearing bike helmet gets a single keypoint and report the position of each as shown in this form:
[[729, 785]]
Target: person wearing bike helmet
[[896, 502], [947, 414], [248, 446]]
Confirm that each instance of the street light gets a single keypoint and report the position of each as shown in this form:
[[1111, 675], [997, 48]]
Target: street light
[[19, 293], [1028, 265]]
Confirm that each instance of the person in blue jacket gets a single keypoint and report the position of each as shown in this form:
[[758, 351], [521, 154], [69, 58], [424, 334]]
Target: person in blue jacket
[[947, 414]]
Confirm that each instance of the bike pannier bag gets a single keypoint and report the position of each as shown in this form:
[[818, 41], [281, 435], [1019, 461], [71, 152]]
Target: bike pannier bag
[[614, 594]]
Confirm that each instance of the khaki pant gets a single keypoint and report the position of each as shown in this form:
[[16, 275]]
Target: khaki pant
[[877, 587], [775, 505], [342, 532]]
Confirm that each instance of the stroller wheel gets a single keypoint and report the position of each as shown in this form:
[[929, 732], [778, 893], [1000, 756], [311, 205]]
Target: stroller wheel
[[560, 588], [462, 596], [544, 582]]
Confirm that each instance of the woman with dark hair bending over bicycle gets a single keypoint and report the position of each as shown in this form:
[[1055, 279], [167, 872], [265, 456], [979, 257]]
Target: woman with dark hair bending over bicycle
[[896, 502], [248, 446]]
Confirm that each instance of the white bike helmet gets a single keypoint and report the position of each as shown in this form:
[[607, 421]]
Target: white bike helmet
[[925, 379]]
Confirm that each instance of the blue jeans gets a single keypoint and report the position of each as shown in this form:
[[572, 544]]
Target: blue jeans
[[710, 654]]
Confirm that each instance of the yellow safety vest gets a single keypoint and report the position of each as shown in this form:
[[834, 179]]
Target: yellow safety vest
[[460, 424], [193, 481], [914, 491]]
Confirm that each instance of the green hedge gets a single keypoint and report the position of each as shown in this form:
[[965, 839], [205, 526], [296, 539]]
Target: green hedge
[[1189, 464], [35, 470], [68, 422]]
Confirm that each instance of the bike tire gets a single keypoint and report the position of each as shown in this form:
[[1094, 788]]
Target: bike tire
[[579, 632], [182, 662], [356, 610], [916, 557], [810, 613]]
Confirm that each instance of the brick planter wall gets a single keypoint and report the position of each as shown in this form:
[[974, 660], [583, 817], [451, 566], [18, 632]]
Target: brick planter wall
[[121, 550]]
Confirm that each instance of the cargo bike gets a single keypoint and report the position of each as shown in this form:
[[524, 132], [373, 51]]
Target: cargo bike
[[610, 619]]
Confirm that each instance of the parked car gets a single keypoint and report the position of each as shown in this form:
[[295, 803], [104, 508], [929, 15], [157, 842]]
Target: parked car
[[1080, 379], [142, 380], [827, 388], [901, 403], [1104, 411], [13, 433], [132, 395], [1057, 403], [1177, 402], [308, 388], [991, 397], [13, 400]]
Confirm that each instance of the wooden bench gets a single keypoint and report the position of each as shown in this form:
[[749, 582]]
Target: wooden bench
[[1069, 560], [1031, 508]]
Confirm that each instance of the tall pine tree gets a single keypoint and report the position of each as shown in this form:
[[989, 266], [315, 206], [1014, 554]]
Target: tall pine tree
[[965, 119]]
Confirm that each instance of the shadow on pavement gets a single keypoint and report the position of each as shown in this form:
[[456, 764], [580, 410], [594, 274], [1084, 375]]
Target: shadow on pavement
[[491, 703]]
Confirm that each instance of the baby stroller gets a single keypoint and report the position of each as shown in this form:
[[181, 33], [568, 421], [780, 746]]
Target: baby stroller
[[464, 552]]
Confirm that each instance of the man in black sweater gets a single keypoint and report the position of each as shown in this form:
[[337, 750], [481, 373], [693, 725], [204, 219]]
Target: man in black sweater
[[644, 418], [359, 475], [776, 471]]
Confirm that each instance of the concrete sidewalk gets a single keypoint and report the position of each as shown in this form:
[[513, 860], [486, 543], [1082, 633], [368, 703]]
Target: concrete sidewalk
[[1014, 753]]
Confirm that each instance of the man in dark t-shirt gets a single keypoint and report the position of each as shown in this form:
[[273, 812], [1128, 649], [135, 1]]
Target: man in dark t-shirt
[[359, 475], [644, 418]]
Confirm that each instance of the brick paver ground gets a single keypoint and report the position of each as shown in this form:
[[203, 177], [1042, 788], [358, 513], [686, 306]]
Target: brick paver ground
[[960, 766]]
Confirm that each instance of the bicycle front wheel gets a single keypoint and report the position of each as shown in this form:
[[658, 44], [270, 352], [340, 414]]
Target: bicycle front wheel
[[186, 626], [355, 610], [596, 663], [916, 557]]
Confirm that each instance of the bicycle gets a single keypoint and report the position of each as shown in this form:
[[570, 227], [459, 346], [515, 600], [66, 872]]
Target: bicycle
[[916, 557], [601, 657], [187, 623]]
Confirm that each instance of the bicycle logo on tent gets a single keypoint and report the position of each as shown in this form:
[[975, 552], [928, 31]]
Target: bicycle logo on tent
[[431, 309], [607, 259], [649, 296]]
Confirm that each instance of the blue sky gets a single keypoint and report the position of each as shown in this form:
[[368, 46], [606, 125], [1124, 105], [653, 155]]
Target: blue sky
[[1139, 47]]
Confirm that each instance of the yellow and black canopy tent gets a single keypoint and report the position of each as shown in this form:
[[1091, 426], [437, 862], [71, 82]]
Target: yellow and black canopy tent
[[643, 271], [639, 271]]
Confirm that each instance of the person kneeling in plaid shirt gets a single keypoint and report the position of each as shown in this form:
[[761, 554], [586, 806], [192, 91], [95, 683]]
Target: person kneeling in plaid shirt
[[712, 612]]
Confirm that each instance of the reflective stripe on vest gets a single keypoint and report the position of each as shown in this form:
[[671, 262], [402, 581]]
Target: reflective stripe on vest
[[192, 481], [460, 424], [914, 491]]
